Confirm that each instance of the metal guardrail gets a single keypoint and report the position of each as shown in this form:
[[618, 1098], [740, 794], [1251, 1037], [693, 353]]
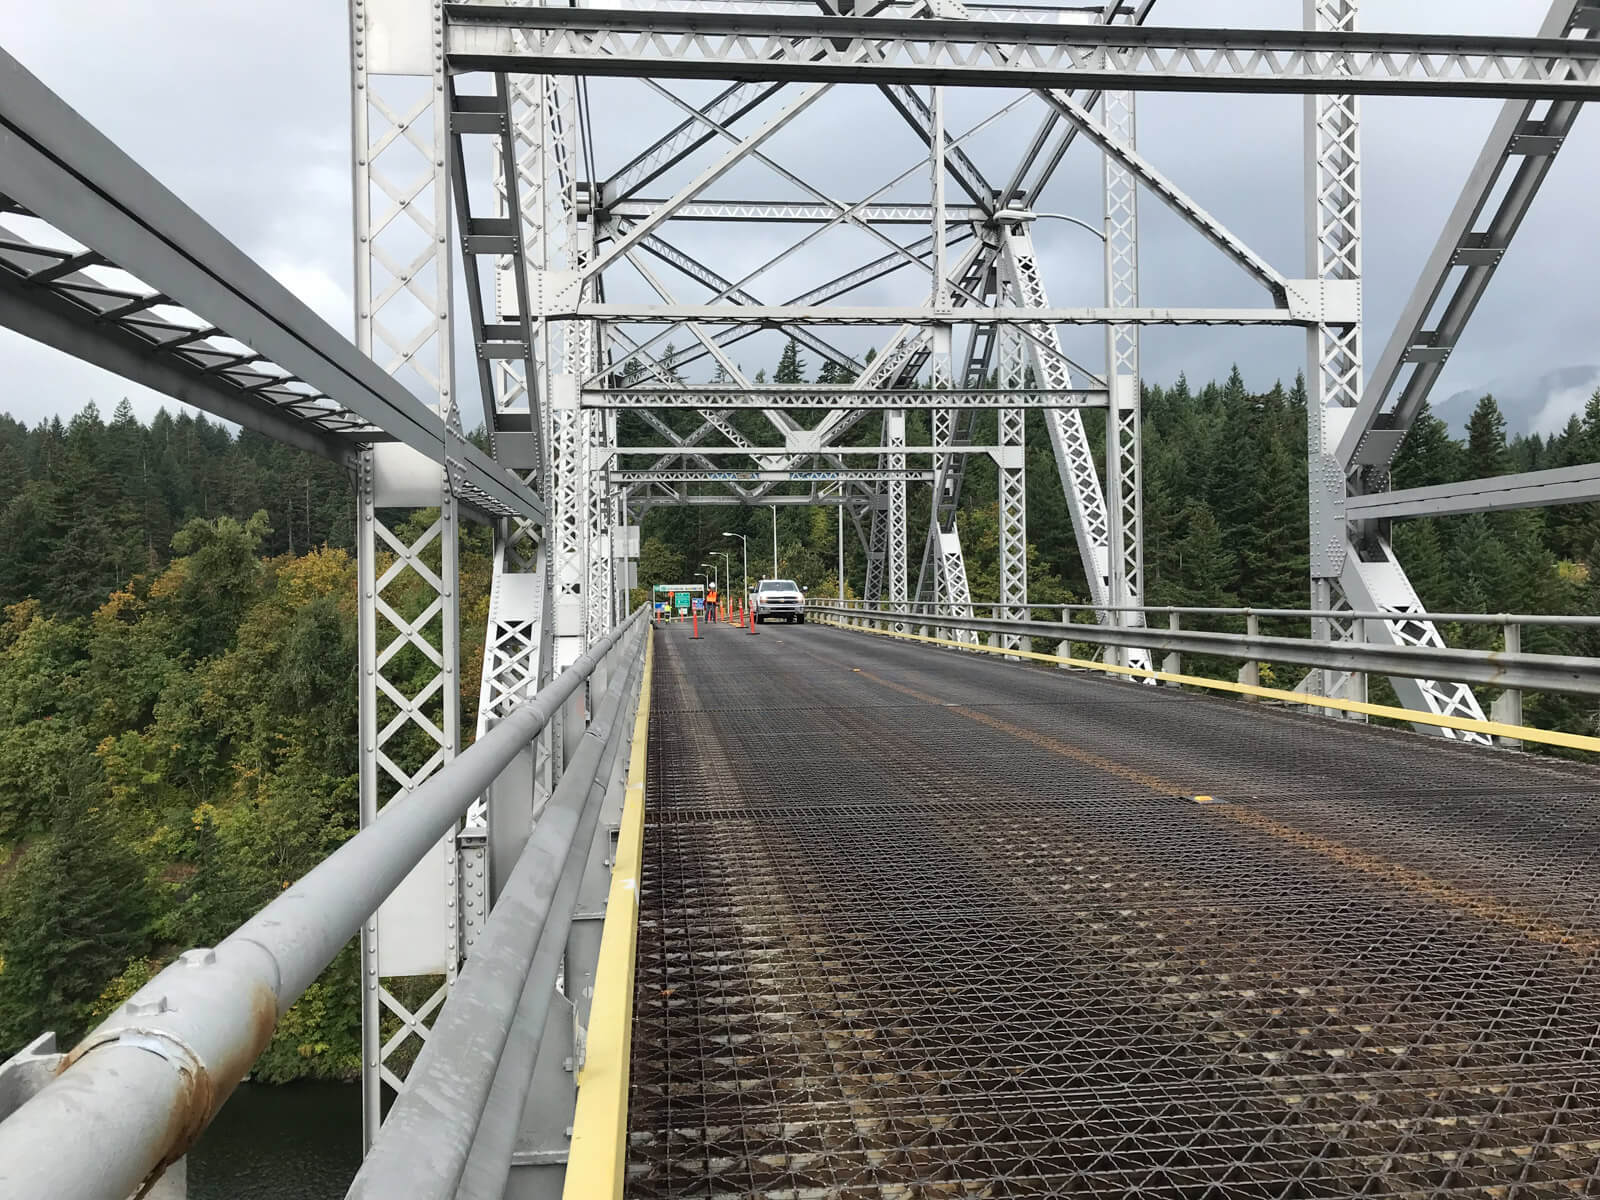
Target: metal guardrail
[[1504, 669], [137, 1092], [454, 1128], [925, 609]]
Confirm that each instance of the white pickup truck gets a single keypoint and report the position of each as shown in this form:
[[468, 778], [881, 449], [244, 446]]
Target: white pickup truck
[[775, 598]]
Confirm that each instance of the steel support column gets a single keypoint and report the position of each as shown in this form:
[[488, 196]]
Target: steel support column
[[1124, 453], [1364, 575], [407, 577]]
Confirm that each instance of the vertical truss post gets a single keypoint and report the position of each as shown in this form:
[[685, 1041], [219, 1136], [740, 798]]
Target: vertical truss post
[[601, 437], [571, 432], [877, 545], [1010, 457], [408, 580], [1333, 254], [1346, 573], [1080, 480], [895, 515], [517, 651], [1124, 453]]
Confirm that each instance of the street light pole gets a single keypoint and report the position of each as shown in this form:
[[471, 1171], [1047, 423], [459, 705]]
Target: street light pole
[[744, 596], [774, 508], [841, 547]]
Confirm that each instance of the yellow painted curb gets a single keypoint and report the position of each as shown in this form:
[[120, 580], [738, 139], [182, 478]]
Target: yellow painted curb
[[598, 1158]]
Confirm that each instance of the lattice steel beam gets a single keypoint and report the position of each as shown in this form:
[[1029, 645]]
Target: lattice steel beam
[[1074, 457], [765, 452], [793, 211], [1304, 308], [974, 53], [1371, 577], [890, 475], [1120, 177], [838, 397]]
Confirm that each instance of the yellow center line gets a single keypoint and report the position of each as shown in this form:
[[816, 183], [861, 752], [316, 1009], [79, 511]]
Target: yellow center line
[[1538, 928], [1065, 750]]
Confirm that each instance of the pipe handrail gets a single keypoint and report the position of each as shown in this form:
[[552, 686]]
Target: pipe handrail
[[1448, 618], [504, 990], [144, 1084], [1524, 672]]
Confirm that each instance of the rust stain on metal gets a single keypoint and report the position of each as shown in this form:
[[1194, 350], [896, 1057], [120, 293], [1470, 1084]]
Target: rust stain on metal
[[202, 1087]]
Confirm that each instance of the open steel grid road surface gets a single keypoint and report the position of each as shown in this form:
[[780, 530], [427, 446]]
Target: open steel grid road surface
[[919, 923]]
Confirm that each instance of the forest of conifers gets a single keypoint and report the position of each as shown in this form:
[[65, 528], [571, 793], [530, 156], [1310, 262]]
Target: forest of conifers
[[177, 647]]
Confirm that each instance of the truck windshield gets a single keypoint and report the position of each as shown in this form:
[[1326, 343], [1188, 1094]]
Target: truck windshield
[[778, 585]]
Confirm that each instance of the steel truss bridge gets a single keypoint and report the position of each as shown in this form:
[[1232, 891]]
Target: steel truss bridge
[[889, 904]]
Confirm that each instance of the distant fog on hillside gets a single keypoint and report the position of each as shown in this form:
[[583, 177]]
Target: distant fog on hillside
[[1541, 406]]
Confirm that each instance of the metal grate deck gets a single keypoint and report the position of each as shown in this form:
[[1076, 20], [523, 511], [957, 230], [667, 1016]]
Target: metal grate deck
[[925, 924]]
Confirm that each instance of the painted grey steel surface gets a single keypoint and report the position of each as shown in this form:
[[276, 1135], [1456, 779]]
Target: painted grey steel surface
[[1529, 489], [145, 1082], [713, 44], [56, 165]]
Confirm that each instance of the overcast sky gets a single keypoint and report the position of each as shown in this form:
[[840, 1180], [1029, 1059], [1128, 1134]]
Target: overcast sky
[[242, 109]]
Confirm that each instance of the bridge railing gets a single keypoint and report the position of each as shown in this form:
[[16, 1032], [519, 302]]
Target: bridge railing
[[1508, 668], [130, 1099]]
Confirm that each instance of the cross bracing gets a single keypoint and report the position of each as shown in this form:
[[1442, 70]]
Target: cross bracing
[[621, 274]]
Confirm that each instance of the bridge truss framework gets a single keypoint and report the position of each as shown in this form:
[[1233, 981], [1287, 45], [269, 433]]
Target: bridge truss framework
[[475, 142]]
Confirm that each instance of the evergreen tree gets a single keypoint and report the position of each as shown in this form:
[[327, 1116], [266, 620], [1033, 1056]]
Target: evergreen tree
[[791, 367], [1486, 441], [1428, 456], [76, 912], [1418, 546], [1204, 562], [1297, 394]]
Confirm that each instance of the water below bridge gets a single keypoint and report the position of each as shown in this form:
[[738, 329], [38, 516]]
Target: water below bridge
[[300, 1142], [919, 923]]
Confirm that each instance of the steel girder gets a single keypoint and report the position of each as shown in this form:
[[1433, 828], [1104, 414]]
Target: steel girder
[[886, 475], [505, 347], [1515, 160], [205, 323], [1303, 308], [789, 211], [765, 46], [843, 396], [1124, 422], [1529, 489]]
